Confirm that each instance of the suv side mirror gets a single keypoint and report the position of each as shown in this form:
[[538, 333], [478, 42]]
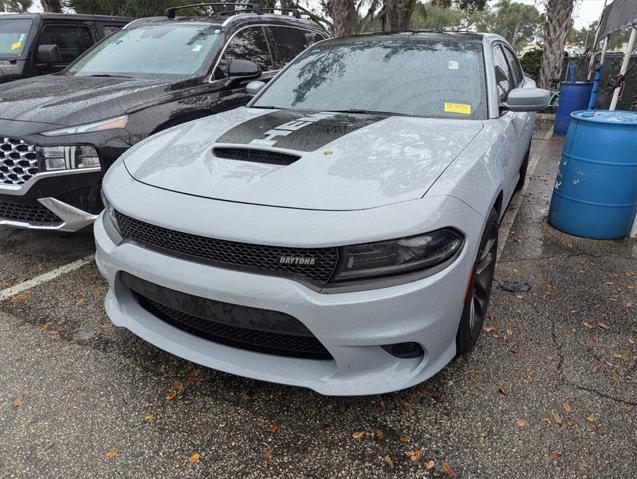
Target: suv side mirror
[[49, 54], [527, 99], [243, 69]]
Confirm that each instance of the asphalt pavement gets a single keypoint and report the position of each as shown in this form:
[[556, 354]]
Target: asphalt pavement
[[549, 391]]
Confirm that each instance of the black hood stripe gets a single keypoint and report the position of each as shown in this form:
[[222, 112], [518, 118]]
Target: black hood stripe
[[299, 131]]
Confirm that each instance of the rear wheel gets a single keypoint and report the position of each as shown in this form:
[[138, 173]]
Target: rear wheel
[[479, 290]]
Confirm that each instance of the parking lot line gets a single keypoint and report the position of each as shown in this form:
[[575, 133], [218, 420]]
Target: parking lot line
[[44, 278]]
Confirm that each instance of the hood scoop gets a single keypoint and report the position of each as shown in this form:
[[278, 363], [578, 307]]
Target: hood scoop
[[255, 155]]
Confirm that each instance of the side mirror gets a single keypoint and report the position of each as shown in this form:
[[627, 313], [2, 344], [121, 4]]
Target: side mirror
[[527, 99], [243, 69], [49, 54], [254, 87]]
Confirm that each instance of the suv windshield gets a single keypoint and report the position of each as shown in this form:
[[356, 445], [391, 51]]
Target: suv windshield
[[439, 79], [13, 36], [149, 52]]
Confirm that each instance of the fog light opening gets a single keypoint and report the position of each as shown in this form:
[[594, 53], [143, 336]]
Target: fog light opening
[[404, 350]]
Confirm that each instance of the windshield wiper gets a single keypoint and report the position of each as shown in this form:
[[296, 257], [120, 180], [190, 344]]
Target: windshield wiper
[[106, 75], [368, 112]]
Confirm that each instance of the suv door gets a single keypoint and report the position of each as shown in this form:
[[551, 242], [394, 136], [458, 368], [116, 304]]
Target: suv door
[[72, 39]]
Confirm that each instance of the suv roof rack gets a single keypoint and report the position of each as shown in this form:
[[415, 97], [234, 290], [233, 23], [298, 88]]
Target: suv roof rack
[[244, 8]]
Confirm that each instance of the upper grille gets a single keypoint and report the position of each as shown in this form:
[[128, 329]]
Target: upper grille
[[254, 329], [18, 161], [26, 213], [257, 156], [267, 259]]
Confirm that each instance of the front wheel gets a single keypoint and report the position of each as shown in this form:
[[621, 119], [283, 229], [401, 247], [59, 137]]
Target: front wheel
[[479, 290]]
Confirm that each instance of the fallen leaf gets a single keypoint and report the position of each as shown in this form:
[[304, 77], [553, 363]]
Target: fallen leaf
[[554, 456], [567, 407], [111, 453], [509, 332], [105, 326], [557, 418], [521, 422], [79, 301], [504, 391], [17, 402], [194, 458], [415, 455], [19, 298], [603, 327], [388, 460], [448, 469], [178, 385], [625, 408], [591, 418], [273, 428], [171, 395], [358, 434], [570, 422], [196, 374], [488, 329], [430, 464], [267, 453], [404, 438], [379, 434], [149, 417], [245, 397]]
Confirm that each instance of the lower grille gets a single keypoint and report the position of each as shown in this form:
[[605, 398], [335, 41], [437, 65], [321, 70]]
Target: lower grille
[[316, 264], [32, 214], [247, 328]]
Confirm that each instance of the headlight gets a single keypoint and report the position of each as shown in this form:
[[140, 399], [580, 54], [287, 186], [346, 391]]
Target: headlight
[[109, 211], [110, 124], [404, 255], [57, 158]]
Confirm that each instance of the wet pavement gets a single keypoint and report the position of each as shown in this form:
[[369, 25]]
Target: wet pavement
[[549, 391]]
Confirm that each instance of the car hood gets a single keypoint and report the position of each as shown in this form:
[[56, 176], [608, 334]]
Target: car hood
[[338, 161], [70, 100]]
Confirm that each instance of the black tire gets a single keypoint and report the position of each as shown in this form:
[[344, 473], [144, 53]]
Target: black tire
[[479, 290], [523, 168]]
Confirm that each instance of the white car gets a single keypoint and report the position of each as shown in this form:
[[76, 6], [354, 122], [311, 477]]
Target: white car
[[338, 233]]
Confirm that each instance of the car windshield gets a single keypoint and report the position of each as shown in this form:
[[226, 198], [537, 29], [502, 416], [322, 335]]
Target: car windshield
[[13, 36], [149, 52], [402, 76]]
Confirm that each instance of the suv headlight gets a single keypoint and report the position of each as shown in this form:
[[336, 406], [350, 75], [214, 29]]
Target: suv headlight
[[386, 258], [110, 124], [57, 158]]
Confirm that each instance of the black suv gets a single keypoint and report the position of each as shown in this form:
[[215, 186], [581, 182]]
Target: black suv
[[59, 133], [35, 44]]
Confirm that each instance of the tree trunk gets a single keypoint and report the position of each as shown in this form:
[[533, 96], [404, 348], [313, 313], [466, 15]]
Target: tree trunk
[[399, 14], [343, 13], [558, 23], [52, 6]]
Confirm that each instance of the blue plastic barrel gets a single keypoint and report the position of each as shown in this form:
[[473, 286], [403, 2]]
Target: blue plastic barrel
[[595, 193], [573, 96]]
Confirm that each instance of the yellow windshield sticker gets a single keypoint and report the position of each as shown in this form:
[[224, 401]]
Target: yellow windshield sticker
[[16, 45], [461, 108]]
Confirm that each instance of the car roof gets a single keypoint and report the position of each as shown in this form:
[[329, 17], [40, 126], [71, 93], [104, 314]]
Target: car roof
[[227, 20], [67, 16]]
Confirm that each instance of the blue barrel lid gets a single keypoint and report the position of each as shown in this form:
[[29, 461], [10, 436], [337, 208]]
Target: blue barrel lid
[[607, 116]]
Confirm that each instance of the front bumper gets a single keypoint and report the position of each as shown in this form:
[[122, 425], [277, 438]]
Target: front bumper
[[352, 326]]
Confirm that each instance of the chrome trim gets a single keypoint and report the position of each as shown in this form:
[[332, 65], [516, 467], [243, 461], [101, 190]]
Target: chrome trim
[[21, 190], [72, 219]]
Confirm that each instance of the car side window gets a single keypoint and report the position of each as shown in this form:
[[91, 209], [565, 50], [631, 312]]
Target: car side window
[[514, 64], [73, 40], [502, 73], [288, 42], [110, 29], [247, 44]]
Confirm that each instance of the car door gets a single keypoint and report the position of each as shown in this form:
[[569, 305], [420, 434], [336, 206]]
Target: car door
[[247, 43], [72, 40], [512, 124]]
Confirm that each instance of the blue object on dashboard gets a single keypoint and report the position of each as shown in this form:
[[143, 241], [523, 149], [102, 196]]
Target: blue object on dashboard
[[573, 96], [595, 193]]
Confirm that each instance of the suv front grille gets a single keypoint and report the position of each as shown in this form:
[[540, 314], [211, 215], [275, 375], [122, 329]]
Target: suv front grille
[[254, 329], [315, 264], [24, 213], [18, 161]]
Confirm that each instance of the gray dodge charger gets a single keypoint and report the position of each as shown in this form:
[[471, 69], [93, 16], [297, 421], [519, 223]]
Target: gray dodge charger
[[338, 233]]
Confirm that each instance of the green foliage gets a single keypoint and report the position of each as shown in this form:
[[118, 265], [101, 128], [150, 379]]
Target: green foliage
[[129, 8], [470, 5], [531, 62], [15, 6], [517, 22]]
